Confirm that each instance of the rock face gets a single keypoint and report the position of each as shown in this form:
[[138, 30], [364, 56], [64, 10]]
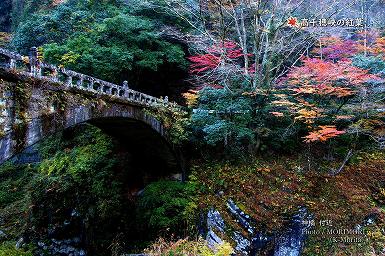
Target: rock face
[[215, 223], [242, 218], [64, 239], [20, 243], [29, 156], [291, 242], [67, 247], [288, 242], [216, 226]]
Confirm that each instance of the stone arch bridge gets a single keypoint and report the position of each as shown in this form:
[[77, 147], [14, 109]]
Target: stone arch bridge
[[39, 99]]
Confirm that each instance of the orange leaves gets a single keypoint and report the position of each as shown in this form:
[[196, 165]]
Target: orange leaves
[[316, 76], [324, 90], [320, 86], [323, 133], [344, 117], [376, 48], [282, 103]]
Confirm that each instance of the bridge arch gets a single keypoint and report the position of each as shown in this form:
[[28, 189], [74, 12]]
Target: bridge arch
[[58, 99], [131, 126]]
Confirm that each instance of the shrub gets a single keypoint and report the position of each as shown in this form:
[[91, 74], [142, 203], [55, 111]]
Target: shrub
[[165, 205], [8, 249], [186, 247]]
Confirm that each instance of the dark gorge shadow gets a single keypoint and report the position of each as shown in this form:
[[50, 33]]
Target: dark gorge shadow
[[65, 209]]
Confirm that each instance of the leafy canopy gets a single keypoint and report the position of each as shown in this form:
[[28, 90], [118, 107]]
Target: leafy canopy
[[110, 42]]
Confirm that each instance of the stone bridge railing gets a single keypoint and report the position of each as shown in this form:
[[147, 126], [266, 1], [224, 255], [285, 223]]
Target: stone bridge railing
[[32, 67]]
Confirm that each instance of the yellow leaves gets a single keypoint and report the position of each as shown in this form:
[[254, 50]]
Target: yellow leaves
[[224, 249], [4, 38], [305, 103], [259, 92], [373, 126], [264, 170], [191, 98], [323, 89], [282, 103], [307, 115], [323, 134], [370, 124], [281, 95], [69, 58], [382, 191], [375, 235]]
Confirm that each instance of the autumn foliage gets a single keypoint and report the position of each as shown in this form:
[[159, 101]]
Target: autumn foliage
[[321, 77], [323, 133], [323, 96], [218, 53], [320, 88]]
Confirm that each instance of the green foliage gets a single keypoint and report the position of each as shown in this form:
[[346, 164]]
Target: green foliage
[[13, 180], [85, 158], [14, 202], [175, 120], [230, 122], [240, 122], [118, 45], [374, 64], [183, 247], [47, 27], [111, 42], [5, 11], [8, 249], [166, 206]]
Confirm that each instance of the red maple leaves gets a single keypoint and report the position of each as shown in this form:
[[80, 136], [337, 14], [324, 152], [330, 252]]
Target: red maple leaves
[[204, 62], [323, 133], [319, 77], [328, 82], [214, 56], [334, 48]]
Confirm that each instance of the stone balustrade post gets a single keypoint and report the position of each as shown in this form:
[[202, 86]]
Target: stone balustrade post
[[55, 73], [12, 64], [125, 85], [34, 62], [91, 84], [37, 67], [80, 82], [69, 81], [126, 89]]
